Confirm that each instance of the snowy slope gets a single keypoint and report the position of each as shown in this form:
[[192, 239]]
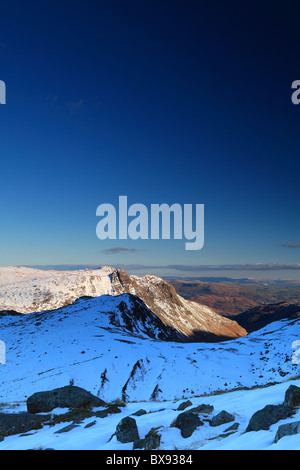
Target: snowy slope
[[86, 349], [78, 343], [32, 290]]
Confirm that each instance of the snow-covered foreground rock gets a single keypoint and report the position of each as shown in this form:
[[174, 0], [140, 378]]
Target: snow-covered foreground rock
[[98, 433], [31, 290]]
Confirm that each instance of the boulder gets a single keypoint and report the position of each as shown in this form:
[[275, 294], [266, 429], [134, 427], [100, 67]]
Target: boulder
[[233, 427], [187, 422], [222, 418], [127, 430], [202, 409], [65, 397], [19, 423], [184, 405], [292, 396], [287, 430], [270, 414], [140, 412]]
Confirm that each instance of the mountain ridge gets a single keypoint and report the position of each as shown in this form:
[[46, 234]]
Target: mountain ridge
[[27, 290]]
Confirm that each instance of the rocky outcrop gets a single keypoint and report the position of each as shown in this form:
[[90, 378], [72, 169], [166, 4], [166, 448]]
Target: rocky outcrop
[[202, 409], [196, 322], [64, 397], [222, 418], [187, 422], [136, 317], [292, 396], [288, 429], [17, 423], [270, 414], [184, 405]]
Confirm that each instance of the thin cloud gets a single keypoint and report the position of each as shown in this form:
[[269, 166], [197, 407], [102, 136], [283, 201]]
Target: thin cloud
[[75, 105], [119, 249], [216, 268], [179, 268], [291, 245], [53, 98]]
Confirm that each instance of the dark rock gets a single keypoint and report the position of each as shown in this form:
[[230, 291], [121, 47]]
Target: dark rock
[[292, 396], [140, 412], [67, 428], [184, 405], [287, 430], [111, 409], [89, 425], [127, 430], [203, 409], [222, 418], [187, 422], [20, 423], [270, 414], [151, 441], [234, 427], [65, 397]]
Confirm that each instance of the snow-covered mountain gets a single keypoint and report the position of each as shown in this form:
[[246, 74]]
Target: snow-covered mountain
[[28, 290], [123, 339], [34, 290], [94, 344]]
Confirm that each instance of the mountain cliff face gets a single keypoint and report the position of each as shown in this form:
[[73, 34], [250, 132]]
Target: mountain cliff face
[[27, 290], [195, 321]]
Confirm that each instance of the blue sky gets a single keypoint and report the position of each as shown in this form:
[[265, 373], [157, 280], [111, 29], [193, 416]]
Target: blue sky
[[164, 102]]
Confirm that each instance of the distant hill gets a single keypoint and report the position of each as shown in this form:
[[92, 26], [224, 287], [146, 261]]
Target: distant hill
[[258, 317], [236, 296]]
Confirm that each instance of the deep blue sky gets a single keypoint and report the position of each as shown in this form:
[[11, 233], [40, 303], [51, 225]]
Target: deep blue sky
[[162, 101]]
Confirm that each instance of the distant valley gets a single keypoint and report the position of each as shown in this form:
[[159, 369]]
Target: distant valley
[[232, 297]]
